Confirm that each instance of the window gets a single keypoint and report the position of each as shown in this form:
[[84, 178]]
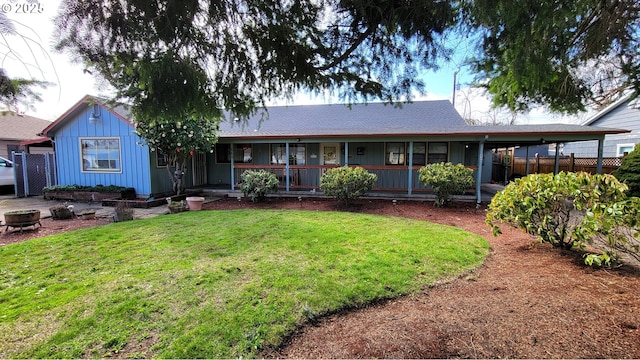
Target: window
[[161, 159], [241, 153], [625, 148], [297, 154], [100, 154], [419, 153], [394, 154], [438, 152]]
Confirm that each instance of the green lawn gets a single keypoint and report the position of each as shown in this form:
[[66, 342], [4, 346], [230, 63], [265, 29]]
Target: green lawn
[[212, 284]]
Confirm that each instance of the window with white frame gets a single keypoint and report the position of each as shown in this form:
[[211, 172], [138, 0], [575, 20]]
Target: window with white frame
[[625, 148], [100, 154]]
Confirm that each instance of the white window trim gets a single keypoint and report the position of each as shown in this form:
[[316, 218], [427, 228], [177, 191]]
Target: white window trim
[[100, 171], [620, 146]]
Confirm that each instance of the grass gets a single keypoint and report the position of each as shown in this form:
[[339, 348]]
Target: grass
[[212, 284]]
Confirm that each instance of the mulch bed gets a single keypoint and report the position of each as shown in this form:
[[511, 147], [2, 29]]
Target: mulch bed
[[527, 301]]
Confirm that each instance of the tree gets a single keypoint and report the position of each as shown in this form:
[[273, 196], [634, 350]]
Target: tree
[[567, 54], [200, 56], [175, 56], [177, 141], [629, 172], [17, 92]]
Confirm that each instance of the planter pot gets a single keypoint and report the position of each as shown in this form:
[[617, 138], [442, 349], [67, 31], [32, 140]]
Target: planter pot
[[195, 202], [22, 218]]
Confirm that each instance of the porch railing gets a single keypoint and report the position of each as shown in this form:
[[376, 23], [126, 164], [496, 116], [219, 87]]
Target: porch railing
[[307, 177]]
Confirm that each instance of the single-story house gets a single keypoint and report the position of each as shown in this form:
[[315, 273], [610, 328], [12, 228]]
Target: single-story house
[[18, 131], [95, 144], [622, 114]]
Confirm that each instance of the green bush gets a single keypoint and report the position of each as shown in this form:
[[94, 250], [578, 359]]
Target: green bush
[[629, 172], [446, 179], [347, 183], [567, 210], [258, 184]]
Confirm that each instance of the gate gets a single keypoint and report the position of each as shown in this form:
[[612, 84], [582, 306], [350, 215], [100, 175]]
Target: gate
[[33, 172]]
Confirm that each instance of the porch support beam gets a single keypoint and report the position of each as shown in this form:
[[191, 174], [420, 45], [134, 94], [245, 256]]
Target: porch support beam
[[479, 172], [346, 153], [286, 168], [410, 169], [600, 153], [556, 169], [233, 169]]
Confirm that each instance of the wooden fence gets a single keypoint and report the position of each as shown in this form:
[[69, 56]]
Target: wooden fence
[[543, 165]]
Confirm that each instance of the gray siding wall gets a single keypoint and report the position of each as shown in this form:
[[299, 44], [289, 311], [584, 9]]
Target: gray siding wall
[[621, 117]]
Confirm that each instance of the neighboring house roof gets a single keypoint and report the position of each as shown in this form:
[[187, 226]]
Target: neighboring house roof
[[21, 127], [633, 104], [121, 111]]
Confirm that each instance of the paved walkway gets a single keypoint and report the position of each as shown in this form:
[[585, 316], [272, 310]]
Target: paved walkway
[[10, 202]]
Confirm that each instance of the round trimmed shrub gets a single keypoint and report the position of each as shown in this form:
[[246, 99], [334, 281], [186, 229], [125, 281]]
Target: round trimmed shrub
[[347, 183]]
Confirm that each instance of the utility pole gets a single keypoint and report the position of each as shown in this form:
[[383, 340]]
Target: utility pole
[[453, 100]]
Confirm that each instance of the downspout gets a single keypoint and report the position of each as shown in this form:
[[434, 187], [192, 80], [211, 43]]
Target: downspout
[[600, 153], [410, 169], [526, 171], [479, 172]]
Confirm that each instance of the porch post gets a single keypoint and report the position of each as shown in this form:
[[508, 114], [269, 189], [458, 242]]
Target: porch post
[[286, 168], [346, 153], [556, 169], [233, 172], [526, 171], [600, 152], [479, 172], [410, 169]]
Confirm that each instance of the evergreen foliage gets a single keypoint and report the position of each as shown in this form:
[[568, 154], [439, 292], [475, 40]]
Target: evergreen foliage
[[177, 57], [629, 172]]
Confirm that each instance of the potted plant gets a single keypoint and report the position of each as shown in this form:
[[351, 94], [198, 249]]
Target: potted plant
[[177, 206], [123, 212]]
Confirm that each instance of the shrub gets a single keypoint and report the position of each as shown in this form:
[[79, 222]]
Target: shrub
[[629, 172], [446, 179], [616, 226], [258, 184], [347, 183], [567, 210]]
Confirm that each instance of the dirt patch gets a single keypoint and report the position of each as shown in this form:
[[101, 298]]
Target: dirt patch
[[527, 301]]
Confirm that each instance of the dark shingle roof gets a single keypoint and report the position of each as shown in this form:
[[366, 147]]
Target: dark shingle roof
[[421, 118], [340, 120]]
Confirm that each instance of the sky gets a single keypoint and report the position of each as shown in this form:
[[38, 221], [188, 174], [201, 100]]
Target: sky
[[32, 56]]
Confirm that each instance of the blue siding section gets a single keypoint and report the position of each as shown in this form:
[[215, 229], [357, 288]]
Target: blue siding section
[[135, 159]]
